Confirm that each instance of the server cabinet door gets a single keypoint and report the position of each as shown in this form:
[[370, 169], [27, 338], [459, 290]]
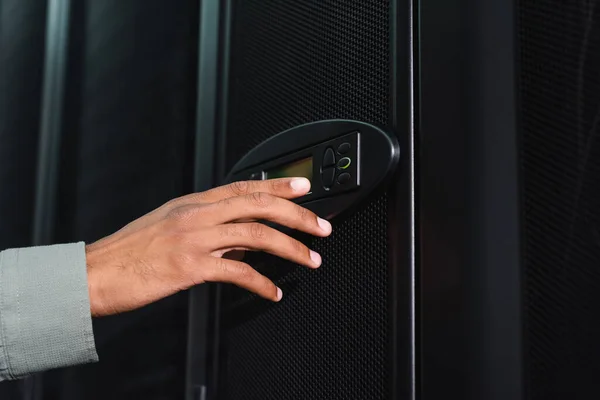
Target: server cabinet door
[[335, 334]]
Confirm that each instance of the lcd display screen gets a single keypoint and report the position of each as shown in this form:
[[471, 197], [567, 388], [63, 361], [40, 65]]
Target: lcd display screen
[[301, 168]]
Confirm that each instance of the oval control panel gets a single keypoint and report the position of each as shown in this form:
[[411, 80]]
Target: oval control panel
[[344, 160]]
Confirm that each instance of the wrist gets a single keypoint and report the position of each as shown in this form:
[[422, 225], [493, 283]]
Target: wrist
[[93, 278]]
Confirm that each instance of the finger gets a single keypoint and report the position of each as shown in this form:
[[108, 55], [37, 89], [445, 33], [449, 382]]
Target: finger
[[242, 275], [287, 188], [256, 236], [263, 206]]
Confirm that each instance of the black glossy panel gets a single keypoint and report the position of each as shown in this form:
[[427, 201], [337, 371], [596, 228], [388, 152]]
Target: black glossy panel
[[127, 150], [22, 47], [560, 99], [468, 198]]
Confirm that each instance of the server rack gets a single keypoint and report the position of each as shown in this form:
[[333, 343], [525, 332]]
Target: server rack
[[398, 377], [453, 212]]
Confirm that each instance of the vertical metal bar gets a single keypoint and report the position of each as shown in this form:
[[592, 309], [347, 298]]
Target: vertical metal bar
[[220, 169], [402, 202], [57, 40], [224, 90], [206, 106], [206, 110], [57, 31]]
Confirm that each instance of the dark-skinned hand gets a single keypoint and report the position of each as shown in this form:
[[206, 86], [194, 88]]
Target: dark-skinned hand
[[183, 243]]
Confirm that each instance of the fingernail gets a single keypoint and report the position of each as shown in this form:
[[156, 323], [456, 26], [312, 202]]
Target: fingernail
[[316, 258], [300, 184], [279, 294], [324, 225]]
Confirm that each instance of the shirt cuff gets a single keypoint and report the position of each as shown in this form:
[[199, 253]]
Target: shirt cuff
[[45, 318]]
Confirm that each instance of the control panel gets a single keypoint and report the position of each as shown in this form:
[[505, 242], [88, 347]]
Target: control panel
[[332, 167], [344, 161]]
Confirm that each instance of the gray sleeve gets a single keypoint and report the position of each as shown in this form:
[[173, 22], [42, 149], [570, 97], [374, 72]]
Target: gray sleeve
[[45, 319]]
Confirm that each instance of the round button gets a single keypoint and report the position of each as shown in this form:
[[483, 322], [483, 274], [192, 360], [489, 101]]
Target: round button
[[344, 163], [343, 148], [344, 178]]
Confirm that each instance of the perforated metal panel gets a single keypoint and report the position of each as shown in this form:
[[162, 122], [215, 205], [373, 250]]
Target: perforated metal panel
[[302, 61], [293, 63], [560, 99]]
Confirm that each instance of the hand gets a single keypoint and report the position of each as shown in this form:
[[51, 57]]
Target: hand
[[182, 244]]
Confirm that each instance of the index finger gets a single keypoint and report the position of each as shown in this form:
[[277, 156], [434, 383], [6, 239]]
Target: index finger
[[287, 188]]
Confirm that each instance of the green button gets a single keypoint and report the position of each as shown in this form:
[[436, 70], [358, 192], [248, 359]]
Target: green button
[[344, 163]]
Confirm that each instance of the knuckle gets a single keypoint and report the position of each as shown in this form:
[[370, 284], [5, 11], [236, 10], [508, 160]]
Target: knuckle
[[223, 203], [303, 213], [197, 197], [228, 230], [222, 267], [245, 272], [260, 199], [240, 188], [223, 231], [276, 185], [184, 214], [171, 203], [257, 231]]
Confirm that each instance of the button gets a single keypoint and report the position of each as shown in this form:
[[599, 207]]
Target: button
[[327, 176], [257, 176], [344, 178], [328, 158], [344, 163], [344, 148]]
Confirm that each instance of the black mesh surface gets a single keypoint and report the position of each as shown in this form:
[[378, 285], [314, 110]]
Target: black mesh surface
[[303, 61], [292, 63], [560, 115]]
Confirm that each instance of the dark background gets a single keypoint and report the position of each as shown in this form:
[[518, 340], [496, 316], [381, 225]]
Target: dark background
[[126, 143], [126, 148]]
